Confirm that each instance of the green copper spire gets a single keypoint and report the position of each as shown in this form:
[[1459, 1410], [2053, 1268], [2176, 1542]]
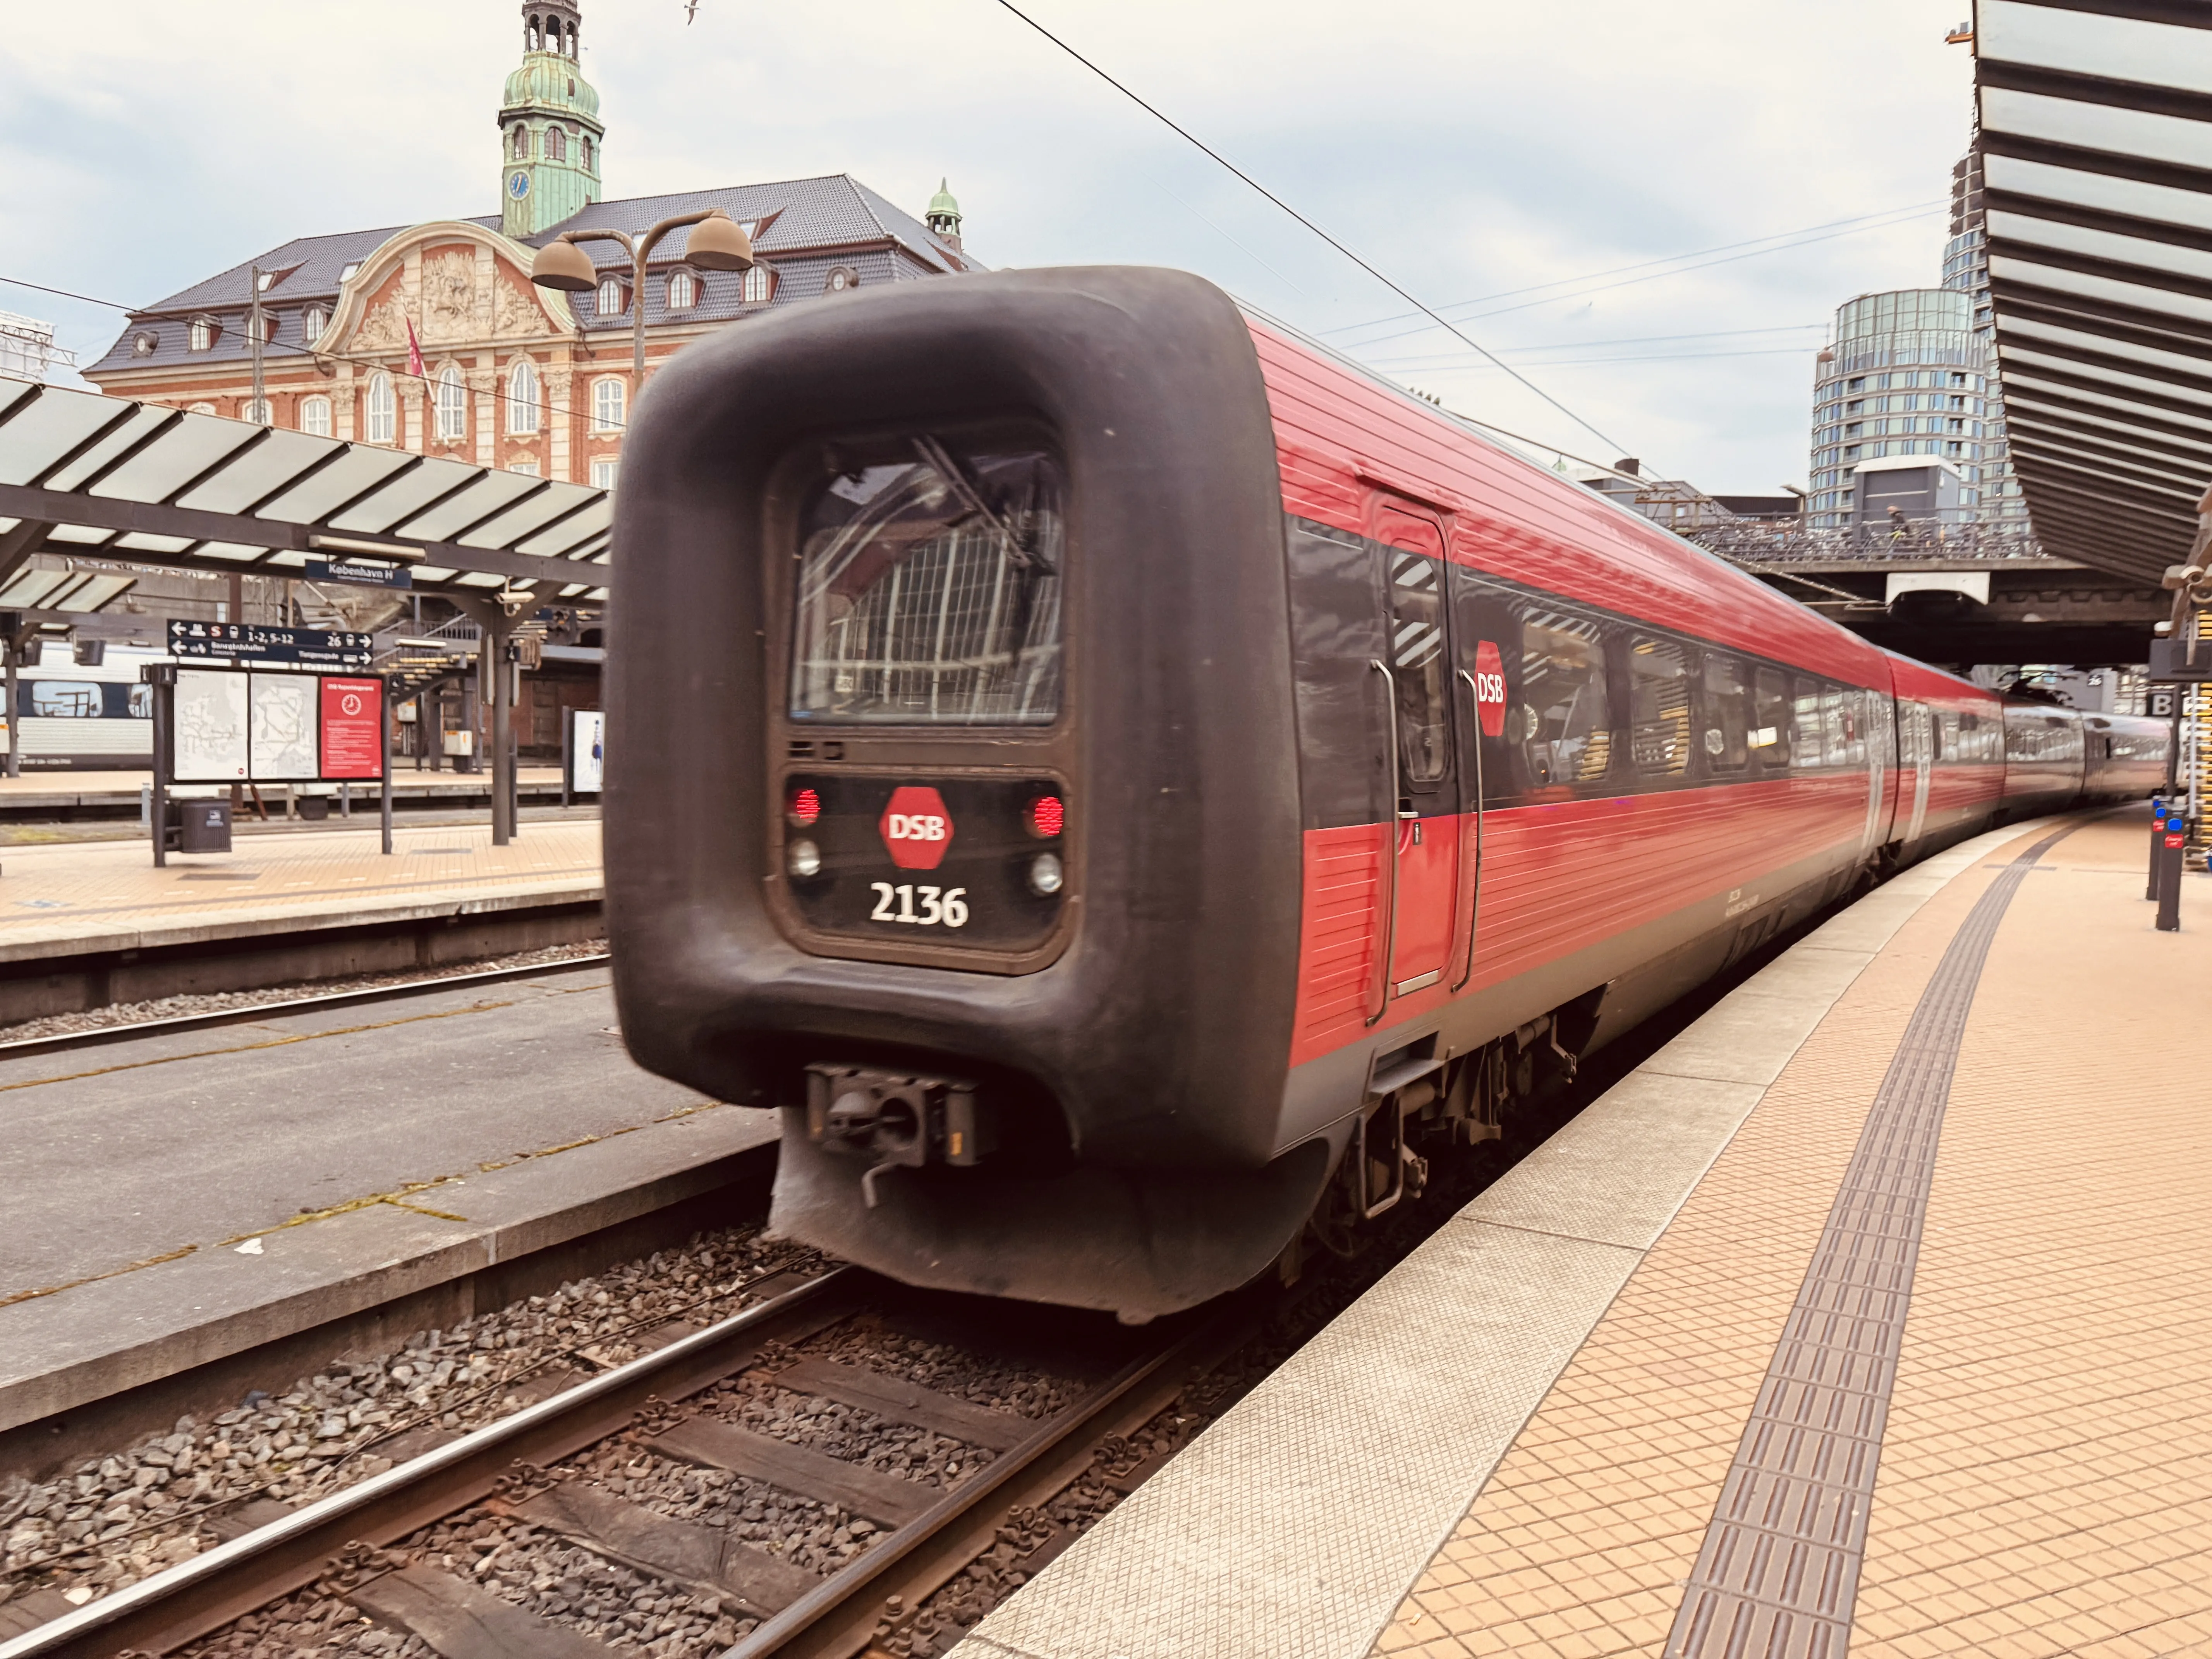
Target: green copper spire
[[943, 214], [549, 124]]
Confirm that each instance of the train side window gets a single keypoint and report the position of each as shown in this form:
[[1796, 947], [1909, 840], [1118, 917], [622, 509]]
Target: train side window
[[1808, 747], [1831, 726], [1728, 713], [1946, 735], [1770, 737], [1563, 721], [1855, 728], [66, 700], [1417, 662], [1659, 707]]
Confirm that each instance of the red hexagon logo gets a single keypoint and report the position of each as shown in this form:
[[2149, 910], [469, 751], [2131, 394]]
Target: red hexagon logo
[[915, 827], [1489, 689]]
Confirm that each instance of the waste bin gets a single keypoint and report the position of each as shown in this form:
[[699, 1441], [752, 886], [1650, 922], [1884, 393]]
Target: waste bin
[[201, 826]]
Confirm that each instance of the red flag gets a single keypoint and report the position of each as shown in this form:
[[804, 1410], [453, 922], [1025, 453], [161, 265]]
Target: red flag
[[414, 355]]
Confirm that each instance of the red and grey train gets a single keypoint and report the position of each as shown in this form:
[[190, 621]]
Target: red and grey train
[[1128, 784]]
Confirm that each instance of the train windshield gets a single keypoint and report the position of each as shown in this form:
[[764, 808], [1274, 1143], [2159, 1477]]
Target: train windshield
[[929, 592]]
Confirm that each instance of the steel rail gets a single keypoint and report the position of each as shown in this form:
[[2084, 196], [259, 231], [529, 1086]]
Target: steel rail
[[96, 1036], [194, 1597], [838, 1619]]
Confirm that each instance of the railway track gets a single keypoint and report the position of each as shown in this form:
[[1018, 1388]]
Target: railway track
[[937, 1556]]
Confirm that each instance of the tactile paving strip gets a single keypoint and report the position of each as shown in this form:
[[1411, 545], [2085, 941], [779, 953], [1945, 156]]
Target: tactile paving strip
[[1777, 1574]]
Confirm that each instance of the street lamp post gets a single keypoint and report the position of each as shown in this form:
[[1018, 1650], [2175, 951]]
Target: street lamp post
[[720, 243]]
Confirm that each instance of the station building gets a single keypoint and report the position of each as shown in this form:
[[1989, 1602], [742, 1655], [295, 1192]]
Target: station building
[[528, 379]]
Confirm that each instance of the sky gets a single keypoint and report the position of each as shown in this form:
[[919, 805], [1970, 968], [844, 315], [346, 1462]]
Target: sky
[[1536, 172]]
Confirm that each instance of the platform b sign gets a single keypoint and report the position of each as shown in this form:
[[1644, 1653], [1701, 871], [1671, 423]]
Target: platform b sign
[[1489, 689]]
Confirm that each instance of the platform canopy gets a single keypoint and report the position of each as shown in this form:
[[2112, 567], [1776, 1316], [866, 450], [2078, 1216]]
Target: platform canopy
[[107, 478], [2096, 141]]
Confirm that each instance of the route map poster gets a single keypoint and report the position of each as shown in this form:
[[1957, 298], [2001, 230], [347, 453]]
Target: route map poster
[[353, 736], [281, 734], [210, 726]]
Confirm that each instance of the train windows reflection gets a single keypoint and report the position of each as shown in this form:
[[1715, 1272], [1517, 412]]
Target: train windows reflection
[[1659, 706], [1728, 713], [1417, 665], [929, 593], [1563, 722], [1770, 735]]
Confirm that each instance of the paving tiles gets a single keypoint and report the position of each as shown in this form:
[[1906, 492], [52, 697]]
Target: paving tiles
[[2044, 1483]]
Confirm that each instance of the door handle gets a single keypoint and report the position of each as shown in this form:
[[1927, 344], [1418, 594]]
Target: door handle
[[1381, 995]]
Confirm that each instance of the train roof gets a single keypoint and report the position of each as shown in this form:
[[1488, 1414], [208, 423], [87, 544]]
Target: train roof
[[1342, 429]]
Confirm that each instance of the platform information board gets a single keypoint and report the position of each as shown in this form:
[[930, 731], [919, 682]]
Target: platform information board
[[352, 739], [311, 647], [259, 725]]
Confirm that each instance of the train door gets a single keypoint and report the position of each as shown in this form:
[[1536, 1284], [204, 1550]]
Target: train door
[[1881, 737], [1422, 924], [1917, 750]]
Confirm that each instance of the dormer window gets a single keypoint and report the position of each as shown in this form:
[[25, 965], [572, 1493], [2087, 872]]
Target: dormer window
[[268, 329], [201, 334], [760, 285], [683, 290], [312, 321], [610, 296], [347, 274], [144, 342]]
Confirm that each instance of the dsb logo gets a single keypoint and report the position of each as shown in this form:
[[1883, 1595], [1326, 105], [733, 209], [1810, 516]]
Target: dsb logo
[[916, 827]]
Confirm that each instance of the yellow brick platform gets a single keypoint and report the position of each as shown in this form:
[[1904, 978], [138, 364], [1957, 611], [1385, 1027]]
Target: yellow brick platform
[[2046, 1480]]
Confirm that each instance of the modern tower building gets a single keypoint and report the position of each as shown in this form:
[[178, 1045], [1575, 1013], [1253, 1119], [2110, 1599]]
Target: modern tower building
[[1898, 411], [1967, 268]]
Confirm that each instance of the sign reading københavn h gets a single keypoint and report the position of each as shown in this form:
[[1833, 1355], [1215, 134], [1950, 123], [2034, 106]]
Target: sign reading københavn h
[[311, 647]]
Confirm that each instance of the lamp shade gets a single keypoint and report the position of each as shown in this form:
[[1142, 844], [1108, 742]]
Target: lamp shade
[[565, 267], [718, 242]]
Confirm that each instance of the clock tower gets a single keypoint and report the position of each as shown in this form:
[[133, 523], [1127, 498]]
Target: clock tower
[[550, 134]]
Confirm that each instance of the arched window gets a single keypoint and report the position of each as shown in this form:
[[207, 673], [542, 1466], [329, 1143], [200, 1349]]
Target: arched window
[[312, 321], [760, 285], [257, 411], [610, 296], [557, 144], [683, 290], [452, 405], [522, 143], [201, 409], [606, 404], [200, 335], [383, 409], [587, 152], [522, 399], [315, 416]]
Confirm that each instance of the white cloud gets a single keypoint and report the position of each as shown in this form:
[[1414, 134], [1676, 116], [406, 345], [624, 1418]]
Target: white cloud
[[1465, 148]]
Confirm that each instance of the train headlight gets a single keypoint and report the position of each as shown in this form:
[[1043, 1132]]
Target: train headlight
[[1047, 876], [803, 858]]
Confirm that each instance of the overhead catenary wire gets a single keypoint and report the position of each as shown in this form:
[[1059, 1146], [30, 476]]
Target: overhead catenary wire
[[1404, 293], [1887, 218], [309, 351]]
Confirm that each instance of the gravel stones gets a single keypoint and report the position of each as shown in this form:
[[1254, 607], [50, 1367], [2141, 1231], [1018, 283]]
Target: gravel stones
[[114, 1520]]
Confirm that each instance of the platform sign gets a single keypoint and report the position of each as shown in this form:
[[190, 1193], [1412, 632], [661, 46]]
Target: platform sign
[[242, 643], [588, 750], [357, 575], [352, 729]]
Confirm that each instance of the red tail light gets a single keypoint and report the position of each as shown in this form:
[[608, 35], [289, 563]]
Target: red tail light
[[1048, 816], [806, 807]]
